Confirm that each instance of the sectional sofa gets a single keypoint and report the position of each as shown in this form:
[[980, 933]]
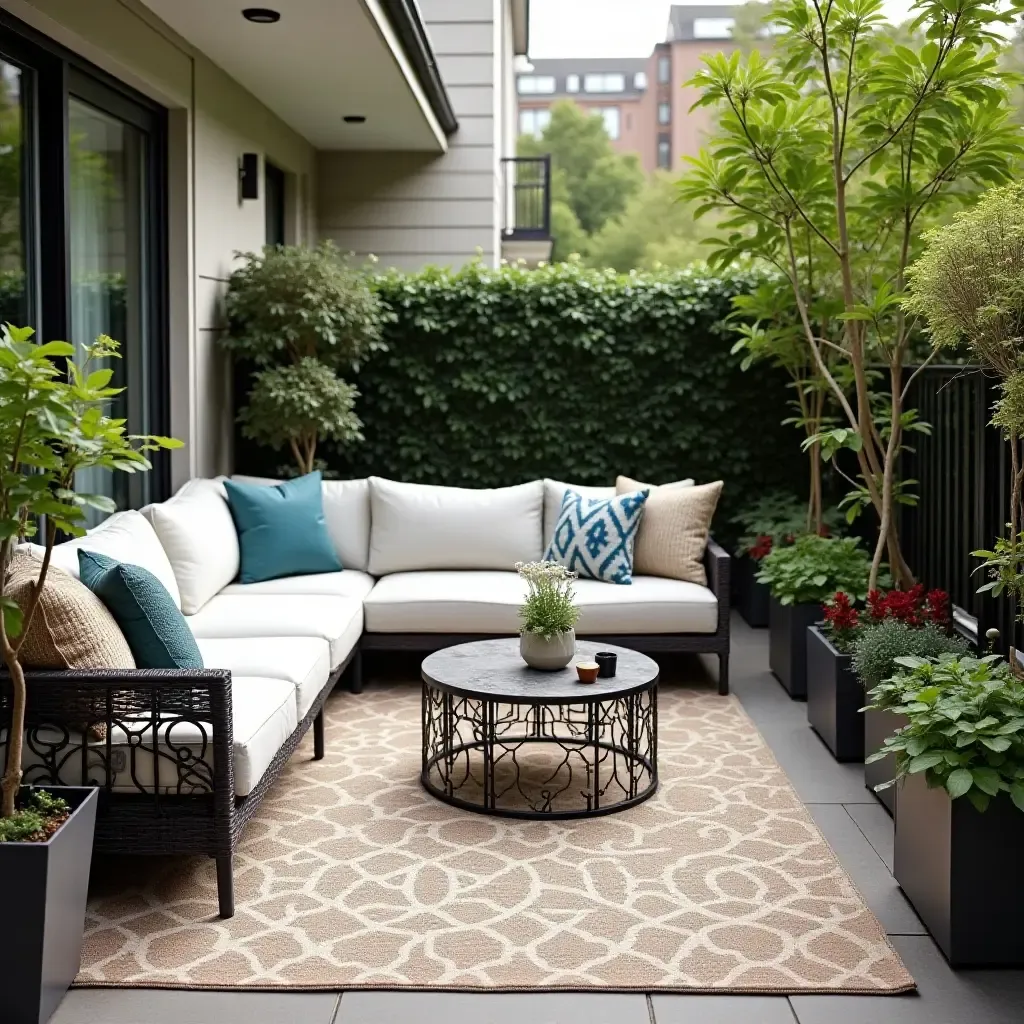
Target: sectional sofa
[[183, 758]]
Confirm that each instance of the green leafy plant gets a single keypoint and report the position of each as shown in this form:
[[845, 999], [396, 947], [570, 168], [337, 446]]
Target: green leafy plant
[[302, 316], [965, 726], [53, 426], [828, 161], [34, 820], [813, 568], [877, 647], [548, 610], [777, 519]]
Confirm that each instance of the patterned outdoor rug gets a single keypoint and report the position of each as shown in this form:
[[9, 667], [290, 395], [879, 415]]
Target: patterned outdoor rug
[[351, 876]]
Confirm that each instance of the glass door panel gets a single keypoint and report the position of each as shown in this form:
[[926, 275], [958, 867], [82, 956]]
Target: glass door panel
[[16, 306]]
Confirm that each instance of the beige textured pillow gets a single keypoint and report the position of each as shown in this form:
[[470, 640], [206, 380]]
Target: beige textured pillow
[[673, 530], [72, 627]]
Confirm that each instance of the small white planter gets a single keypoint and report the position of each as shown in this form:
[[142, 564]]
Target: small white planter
[[547, 655]]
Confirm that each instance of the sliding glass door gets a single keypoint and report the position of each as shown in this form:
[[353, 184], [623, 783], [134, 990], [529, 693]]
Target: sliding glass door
[[15, 299]]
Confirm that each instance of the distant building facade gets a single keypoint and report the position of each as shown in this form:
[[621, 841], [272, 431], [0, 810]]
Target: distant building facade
[[642, 100]]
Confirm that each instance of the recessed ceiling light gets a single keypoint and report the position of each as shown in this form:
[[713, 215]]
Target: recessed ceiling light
[[261, 15], [354, 119]]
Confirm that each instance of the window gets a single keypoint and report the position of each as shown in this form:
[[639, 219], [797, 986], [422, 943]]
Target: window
[[82, 250], [531, 84], [610, 116], [664, 70], [640, 81], [664, 153], [572, 83], [664, 113], [533, 122], [604, 83], [273, 195], [713, 28]]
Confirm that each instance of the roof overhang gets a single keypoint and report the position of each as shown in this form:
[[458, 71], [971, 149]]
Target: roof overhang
[[521, 27], [324, 61]]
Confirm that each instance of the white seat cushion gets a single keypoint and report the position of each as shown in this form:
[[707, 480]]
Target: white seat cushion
[[304, 661], [416, 527], [338, 620], [197, 532], [126, 536], [488, 602], [349, 583], [347, 515], [264, 716]]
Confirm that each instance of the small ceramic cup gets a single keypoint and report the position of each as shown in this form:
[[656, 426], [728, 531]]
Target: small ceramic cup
[[587, 671], [607, 661]]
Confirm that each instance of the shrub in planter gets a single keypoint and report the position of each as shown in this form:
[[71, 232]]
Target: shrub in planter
[[960, 798], [876, 651], [834, 696], [801, 577]]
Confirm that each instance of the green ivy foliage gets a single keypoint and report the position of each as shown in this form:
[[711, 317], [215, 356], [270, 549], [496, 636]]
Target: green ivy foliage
[[491, 377]]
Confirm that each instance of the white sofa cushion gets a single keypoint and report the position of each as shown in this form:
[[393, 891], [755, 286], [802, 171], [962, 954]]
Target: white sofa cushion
[[197, 532], [126, 536], [416, 526], [554, 492], [347, 515], [348, 583], [263, 714], [304, 661], [488, 602], [338, 620]]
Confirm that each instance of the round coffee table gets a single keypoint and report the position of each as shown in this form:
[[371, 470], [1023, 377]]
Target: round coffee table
[[502, 738]]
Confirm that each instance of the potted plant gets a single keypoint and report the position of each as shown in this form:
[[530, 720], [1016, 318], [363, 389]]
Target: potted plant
[[960, 797], [53, 426], [801, 577], [300, 317], [547, 638]]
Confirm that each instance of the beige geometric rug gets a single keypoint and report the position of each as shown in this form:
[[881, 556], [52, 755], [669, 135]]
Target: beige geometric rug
[[352, 876]]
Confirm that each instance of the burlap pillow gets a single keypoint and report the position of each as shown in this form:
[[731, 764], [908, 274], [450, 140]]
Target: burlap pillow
[[72, 627], [674, 529]]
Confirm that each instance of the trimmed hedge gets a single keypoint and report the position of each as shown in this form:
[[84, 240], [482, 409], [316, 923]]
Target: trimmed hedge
[[497, 376]]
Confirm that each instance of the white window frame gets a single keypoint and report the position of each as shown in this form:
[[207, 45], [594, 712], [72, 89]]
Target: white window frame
[[640, 81], [535, 85], [613, 114], [572, 83], [664, 108], [713, 28], [664, 69], [609, 81]]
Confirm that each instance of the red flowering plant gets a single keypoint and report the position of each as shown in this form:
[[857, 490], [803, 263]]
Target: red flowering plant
[[916, 608], [842, 620]]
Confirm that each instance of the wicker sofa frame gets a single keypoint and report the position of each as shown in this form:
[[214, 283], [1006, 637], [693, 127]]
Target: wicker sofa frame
[[191, 807]]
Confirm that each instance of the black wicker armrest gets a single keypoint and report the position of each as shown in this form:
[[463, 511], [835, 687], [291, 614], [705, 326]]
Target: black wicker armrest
[[717, 564]]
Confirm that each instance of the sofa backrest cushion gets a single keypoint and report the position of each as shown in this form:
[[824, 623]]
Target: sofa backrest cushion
[[197, 532], [126, 536], [347, 515], [554, 492], [416, 526]]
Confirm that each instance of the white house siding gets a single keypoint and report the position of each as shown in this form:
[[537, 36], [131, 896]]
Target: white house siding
[[413, 209], [212, 121]]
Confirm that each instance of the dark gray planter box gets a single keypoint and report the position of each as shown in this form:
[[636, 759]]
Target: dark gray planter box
[[45, 891], [787, 643], [960, 868], [877, 726], [834, 698], [751, 597]]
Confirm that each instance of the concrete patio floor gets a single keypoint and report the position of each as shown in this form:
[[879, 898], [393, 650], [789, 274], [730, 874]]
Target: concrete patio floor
[[856, 826]]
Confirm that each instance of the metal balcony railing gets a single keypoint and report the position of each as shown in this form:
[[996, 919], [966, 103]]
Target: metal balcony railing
[[527, 197]]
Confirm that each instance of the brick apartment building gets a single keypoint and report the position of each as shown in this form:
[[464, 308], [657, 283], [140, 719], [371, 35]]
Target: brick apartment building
[[645, 107]]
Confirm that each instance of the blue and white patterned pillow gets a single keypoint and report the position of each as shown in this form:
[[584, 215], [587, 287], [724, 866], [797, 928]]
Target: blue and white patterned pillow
[[594, 536]]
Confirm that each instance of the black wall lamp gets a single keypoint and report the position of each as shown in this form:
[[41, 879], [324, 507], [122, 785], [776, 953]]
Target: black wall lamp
[[261, 15], [249, 176]]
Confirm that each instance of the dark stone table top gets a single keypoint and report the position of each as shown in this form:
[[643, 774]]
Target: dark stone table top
[[494, 670]]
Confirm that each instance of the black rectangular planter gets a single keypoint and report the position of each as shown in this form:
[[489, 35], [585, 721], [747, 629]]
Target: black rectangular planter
[[45, 891], [834, 698], [787, 643], [960, 868], [877, 726], [751, 597]]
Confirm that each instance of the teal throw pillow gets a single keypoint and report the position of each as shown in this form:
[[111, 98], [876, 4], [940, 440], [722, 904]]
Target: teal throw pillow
[[155, 629], [594, 536], [281, 529]]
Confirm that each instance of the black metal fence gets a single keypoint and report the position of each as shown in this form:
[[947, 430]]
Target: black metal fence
[[527, 197], [963, 479]]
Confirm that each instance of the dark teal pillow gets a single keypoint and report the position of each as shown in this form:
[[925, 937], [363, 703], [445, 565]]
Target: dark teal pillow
[[155, 629], [281, 529]]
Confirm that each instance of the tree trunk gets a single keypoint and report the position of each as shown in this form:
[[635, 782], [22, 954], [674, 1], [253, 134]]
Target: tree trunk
[[1015, 499], [12, 777]]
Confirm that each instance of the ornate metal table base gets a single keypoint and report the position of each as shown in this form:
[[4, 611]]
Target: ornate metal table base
[[572, 759]]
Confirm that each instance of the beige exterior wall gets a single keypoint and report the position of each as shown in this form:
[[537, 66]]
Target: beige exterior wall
[[212, 121], [413, 209], [690, 128]]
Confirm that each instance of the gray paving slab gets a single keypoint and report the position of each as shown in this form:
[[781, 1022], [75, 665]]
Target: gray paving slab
[[167, 1006], [876, 824], [943, 997], [721, 1010], [492, 1008]]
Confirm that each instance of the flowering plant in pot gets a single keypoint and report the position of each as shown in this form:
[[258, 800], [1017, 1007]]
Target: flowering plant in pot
[[547, 638], [54, 425]]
